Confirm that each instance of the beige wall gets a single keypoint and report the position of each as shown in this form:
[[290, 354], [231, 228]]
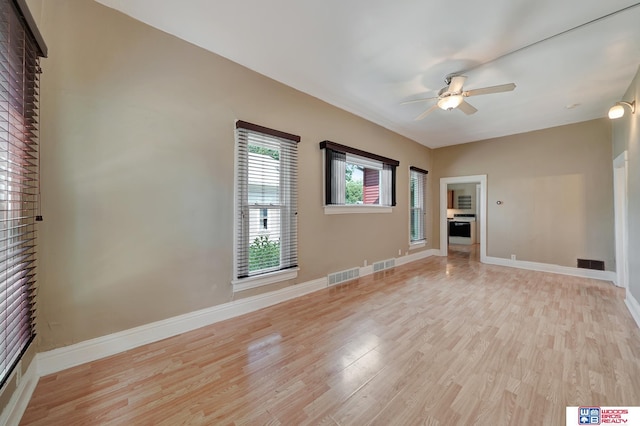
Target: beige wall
[[556, 189], [137, 174], [626, 136]]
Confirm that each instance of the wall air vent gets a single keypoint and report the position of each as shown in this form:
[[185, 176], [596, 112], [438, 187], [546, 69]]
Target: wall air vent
[[384, 264], [342, 276], [598, 265]]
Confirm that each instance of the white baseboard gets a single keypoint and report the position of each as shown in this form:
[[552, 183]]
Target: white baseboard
[[14, 410], [633, 306], [416, 256], [555, 269], [365, 270], [90, 350]]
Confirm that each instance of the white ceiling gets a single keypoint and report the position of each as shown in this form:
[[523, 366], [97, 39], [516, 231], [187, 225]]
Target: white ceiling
[[367, 56]]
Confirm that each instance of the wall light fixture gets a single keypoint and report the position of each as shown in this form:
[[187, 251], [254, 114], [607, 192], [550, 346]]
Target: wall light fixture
[[617, 110]]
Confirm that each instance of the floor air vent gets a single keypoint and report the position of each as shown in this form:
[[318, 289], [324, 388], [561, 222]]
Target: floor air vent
[[384, 264], [598, 265], [340, 277]]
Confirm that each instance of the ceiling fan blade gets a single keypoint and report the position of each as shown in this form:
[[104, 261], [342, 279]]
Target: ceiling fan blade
[[413, 101], [493, 89], [456, 83], [467, 108], [427, 112]]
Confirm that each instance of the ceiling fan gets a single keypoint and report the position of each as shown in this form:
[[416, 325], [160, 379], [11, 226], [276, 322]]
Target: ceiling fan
[[452, 96]]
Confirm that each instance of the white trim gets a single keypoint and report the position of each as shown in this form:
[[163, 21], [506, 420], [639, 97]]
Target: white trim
[[365, 270], [482, 180], [633, 306], [21, 396], [94, 349], [621, 209], [555, 269], [264, 279], [368, 163], [356, 208], [417, 244], [403, 260]]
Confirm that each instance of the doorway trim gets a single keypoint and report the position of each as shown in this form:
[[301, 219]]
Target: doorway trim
[[444, 241], [621, 211]]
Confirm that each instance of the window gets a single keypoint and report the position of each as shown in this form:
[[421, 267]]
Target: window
[[417, 179], [354, 177], [266, 228], [20, 49]]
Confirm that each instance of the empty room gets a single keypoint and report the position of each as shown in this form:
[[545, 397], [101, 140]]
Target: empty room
[[337, 213]]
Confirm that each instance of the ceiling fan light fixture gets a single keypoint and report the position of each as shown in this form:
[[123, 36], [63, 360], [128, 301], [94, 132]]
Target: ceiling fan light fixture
[[450, 102]]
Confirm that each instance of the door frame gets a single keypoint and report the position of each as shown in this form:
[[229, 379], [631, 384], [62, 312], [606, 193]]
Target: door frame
[[621, 211], [477, 179]]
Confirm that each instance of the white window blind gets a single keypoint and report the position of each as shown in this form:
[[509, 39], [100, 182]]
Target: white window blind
[[417, 179], [267, 174], [20, 49]]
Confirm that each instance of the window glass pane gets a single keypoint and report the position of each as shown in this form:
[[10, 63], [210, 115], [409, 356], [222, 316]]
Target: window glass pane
[[264, 222], [362, 184], [416, 205], [371, 186], [264, 247], [414, 190], [354, 176], [264, 175], [416, 216]]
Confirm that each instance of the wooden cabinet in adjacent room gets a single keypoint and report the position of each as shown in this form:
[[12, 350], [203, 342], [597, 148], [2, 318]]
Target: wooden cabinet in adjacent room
[[450, 198]]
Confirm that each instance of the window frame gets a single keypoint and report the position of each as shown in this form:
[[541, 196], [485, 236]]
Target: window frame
[[243, 279], [333, 150], [421, 175]]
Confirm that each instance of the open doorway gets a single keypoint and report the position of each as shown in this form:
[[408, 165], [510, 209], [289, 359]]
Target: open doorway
[[621, 222], [481, 210]]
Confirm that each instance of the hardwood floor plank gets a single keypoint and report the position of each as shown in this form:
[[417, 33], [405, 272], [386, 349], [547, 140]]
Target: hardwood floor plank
[[438, 342]]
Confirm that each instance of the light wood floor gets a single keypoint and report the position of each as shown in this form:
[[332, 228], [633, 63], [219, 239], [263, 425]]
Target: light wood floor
[[464, 252], [443, 341]]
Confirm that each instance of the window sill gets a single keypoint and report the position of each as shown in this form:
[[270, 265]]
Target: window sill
[[417, 244], [359, 208], [264, 279]]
